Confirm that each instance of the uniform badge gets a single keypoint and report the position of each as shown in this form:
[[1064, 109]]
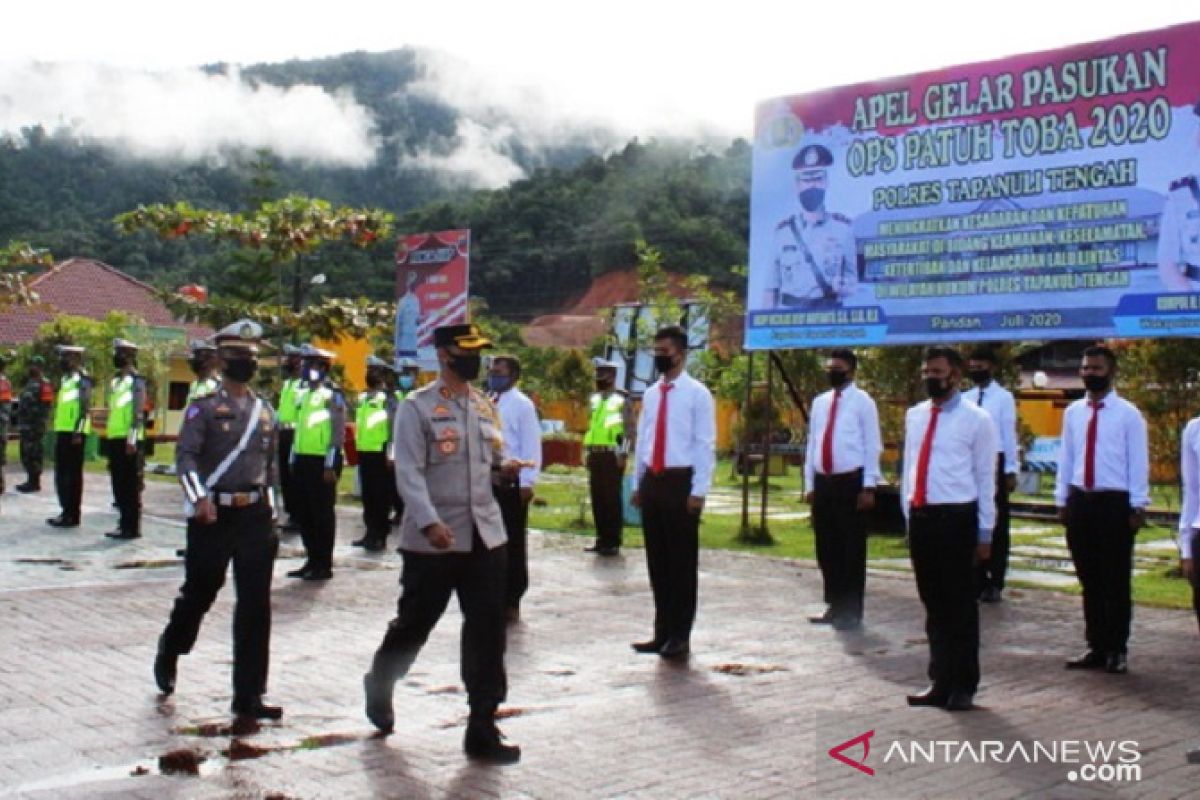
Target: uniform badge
[[444, 392], [440, 411], [448, 447], [192, 412], [225, 427], [448, 433]]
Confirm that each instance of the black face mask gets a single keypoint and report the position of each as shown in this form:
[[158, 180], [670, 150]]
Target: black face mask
[[1096, 383], [937, 388], [980, 377], [664, 364], [465, 367], [240, 369], [812, 199], [837, 378], [64, 365], [604, 383], [120, 362], [197, 364]]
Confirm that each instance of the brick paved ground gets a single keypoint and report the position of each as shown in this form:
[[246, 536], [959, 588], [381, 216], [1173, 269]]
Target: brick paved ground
[[79, 712]]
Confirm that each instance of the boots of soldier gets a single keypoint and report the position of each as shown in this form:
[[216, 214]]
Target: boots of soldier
[[484, 741]]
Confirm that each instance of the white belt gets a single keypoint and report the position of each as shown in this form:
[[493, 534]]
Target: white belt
[[238, 499]]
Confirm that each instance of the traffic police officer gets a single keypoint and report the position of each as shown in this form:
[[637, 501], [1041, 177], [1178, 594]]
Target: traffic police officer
[[607, 448], [373, 440], [6, 404], [33, 412], [71, 424], [203, 362], [816, 264], [1179, 232], [448, 443], [288, 412], [317, 464], [123, 435], [226, 464]]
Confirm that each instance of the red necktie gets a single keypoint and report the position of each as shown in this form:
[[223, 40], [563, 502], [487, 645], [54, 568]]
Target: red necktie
[[658, 460], [827, 443], [921, 490], [1089, 458]]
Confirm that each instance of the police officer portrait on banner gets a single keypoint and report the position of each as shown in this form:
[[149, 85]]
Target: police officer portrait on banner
[[225, 460], [815, 261], [1179, 227]]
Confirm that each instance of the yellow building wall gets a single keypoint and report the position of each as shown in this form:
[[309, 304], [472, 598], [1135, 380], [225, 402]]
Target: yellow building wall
[[1042, 415]]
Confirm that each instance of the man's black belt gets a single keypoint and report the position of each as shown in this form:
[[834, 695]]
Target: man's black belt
[[670, 472], [1079, 490], [946, 509]]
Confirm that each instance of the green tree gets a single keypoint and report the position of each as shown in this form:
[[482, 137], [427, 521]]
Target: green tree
[[14, 258]]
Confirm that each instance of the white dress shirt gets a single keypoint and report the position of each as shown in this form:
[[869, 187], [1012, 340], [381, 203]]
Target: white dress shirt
[[856, 439], [522, 432], [1001, 407], [962, 459], [1189, 469], [691, 430], [1122, 460]]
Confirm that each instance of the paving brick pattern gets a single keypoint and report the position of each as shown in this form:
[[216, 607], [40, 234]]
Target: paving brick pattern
[[752, 715]]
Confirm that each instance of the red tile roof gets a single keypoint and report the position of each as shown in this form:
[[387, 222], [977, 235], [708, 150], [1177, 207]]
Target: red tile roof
[[83, 287]]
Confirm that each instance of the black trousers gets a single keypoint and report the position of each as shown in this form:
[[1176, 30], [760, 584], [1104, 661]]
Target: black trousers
[[942, 542], [68, 473], [672, 536], [841, 538], [126, 473], [315, 500], [426, 583], [287, 481], [1101, 544], [247, 537], [604, 484], [1195, 577], [378, 483], [991, 573], [515, 512]]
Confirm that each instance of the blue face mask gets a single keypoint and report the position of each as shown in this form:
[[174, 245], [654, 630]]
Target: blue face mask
[[499, 383], [405, 381]]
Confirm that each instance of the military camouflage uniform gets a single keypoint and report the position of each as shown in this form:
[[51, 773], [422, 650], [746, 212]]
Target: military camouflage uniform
[[33, 412], [5, 410]]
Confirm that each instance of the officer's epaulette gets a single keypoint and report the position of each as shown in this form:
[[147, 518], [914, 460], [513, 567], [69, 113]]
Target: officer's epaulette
[[1188, 182], [841, 217]]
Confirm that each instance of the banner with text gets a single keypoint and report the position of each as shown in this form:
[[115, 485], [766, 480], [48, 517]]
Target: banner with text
[[431, 290], [1045, 196]]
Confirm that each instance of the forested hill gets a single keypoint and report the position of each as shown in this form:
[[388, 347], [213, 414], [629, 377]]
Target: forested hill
[[576, 213]]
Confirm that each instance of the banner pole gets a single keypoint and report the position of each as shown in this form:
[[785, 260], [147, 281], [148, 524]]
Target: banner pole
[[745, 465]]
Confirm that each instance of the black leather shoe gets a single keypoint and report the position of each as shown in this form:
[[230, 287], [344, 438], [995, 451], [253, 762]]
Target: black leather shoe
[[374, 545], [822, 619], [318, 575], [123, 535], [675, 648], [379, 703], [933, 696], [300, 573], [63, 521], [602, 551], [255, 708], [959, 701], [360, 542], [164, 670], [26, 488], [1092, 659], [291, 526], [1116, 664], [651, 646], [484, 742], [847, 623], [990, 594]]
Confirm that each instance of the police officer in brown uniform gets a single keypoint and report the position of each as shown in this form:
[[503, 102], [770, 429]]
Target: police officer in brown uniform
[[448, 444], [225, 460]]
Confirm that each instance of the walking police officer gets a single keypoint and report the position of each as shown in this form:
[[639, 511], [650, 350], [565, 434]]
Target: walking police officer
[[373, 439], [226, 464], [1179, 232], [607, 447], [452, 540], [317, 464], [123, 437], [71, 424], [287, 412], [816, 262], [33, 412]]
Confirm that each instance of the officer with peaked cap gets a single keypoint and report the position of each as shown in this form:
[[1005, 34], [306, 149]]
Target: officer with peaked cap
[[1179, 232], [71, 425], [123, 435], [203, 361], [288, 412], [317, 463], [606, 444], [815, 262], [226, 464], [373, 441], [452, 540]]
